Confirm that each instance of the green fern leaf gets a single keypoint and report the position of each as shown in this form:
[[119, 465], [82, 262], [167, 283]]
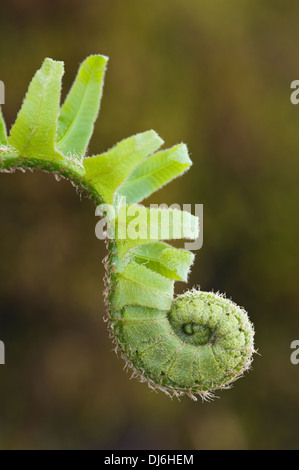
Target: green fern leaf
[[138, 225], [154, 172], [34, 131], [138, 285], [106, 172], [81, 107], [164, 259]]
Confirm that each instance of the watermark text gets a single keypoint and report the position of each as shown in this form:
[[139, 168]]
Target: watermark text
[[2, 93], [2, 353], [156, 222], [295, 354]]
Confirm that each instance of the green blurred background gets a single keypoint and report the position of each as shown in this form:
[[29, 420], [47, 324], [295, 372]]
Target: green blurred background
[[215, 75]]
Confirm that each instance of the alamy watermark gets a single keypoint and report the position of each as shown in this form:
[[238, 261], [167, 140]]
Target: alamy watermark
[[2, 353], [2, 93], [294, 358], [156, 222]]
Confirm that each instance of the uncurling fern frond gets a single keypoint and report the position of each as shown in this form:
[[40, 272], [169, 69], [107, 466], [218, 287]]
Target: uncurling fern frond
[[191, 344]]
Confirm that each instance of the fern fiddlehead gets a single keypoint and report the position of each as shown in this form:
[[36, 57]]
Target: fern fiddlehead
[[193, 343]]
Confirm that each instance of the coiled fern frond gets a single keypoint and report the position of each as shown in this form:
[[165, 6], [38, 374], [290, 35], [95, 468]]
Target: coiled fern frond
[[194, 343]]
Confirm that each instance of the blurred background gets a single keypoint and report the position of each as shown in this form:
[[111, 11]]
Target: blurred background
[[215, 75]]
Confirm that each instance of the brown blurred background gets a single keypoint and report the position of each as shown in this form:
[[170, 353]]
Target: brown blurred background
[[215, 75]]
